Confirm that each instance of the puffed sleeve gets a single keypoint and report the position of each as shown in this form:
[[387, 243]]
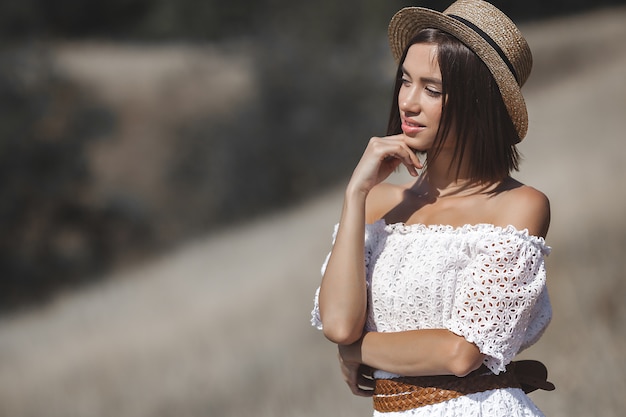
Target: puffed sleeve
[[500, 297], [316, 321], [371, 232]]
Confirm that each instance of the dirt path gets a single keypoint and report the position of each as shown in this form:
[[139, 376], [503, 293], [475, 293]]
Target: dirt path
[[220, 327]]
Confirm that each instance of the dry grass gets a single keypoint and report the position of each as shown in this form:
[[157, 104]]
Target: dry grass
[[220, 327]]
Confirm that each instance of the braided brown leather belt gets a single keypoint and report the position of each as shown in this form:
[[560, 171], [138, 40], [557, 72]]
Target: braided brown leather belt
[[405, 393]]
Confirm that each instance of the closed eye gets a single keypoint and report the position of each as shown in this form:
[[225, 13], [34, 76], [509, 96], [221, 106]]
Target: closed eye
[[432, 92]]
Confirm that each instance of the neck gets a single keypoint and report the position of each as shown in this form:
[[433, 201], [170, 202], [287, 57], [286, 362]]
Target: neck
[[440, 179], [446, 186]]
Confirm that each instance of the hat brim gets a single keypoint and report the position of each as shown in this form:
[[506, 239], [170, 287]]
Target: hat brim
[[409, 21]]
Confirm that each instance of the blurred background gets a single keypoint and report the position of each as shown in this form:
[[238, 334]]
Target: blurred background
[[170, 172]]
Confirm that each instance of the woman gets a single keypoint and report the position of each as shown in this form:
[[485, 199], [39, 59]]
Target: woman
[[432, 287]]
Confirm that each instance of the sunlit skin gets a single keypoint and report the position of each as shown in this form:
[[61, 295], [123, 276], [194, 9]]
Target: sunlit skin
[[420, 97], [437, 196]]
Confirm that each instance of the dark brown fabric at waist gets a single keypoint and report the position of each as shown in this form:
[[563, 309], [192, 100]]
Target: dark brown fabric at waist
[[405, 393]]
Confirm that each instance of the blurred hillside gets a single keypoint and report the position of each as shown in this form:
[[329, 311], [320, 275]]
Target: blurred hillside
[[219, 327], [215, 19], [130, 126]]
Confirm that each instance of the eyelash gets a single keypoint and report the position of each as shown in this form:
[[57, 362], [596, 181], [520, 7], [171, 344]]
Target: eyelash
[[429, 91], [433, 93]]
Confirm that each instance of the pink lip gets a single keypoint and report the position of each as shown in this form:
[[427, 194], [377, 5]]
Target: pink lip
[[409, 127]]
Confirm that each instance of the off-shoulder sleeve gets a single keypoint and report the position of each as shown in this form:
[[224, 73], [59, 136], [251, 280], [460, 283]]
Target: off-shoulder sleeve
[[497, 295], [371, 232]]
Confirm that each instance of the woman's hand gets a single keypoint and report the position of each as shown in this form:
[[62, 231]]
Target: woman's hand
[[343, 292], [381, 157], [357, 375]]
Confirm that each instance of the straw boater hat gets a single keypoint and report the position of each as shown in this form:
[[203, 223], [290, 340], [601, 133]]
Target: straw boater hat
[[486, 31]]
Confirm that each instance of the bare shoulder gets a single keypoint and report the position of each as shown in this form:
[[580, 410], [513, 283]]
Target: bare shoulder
[[381, 199], [524, 207]]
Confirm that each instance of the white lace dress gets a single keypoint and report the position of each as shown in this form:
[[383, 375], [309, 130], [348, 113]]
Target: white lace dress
[[483, 282]]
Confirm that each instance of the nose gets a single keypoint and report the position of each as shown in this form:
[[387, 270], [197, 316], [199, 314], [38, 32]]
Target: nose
[[409, 100]]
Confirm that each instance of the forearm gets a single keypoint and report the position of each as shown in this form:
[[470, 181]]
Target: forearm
[[343, 292], [416, 353]]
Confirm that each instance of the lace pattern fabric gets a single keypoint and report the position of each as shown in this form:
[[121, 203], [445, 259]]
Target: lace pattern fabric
[[483, 282]]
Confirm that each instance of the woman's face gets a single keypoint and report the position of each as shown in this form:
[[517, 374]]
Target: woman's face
[[420, 96]]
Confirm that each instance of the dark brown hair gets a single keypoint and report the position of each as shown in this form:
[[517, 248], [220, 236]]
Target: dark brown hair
[[472, 106]]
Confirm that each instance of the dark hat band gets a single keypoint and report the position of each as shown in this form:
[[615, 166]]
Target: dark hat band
[[490, 41]]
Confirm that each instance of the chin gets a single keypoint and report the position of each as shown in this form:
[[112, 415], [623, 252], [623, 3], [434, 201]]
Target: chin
[[420, 148]]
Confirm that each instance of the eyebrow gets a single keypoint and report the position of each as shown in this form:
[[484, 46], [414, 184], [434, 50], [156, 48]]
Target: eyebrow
[[430, 80]]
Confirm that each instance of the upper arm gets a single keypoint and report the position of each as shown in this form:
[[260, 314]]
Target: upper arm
[[496, 294], [527, 208]]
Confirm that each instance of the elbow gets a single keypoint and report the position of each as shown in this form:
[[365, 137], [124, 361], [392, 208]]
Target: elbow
[[465, 358], [342, 334]]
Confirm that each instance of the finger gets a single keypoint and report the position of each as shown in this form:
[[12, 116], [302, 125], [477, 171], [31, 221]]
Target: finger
[[401, 137], [363, 387], [408, 159], [392, 154], [362, 392], [357, 377], [361, 382], [413, 165], [416, 161], [352, 379]]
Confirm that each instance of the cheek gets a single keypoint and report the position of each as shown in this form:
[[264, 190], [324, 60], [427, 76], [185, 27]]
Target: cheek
[[434, 110]]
